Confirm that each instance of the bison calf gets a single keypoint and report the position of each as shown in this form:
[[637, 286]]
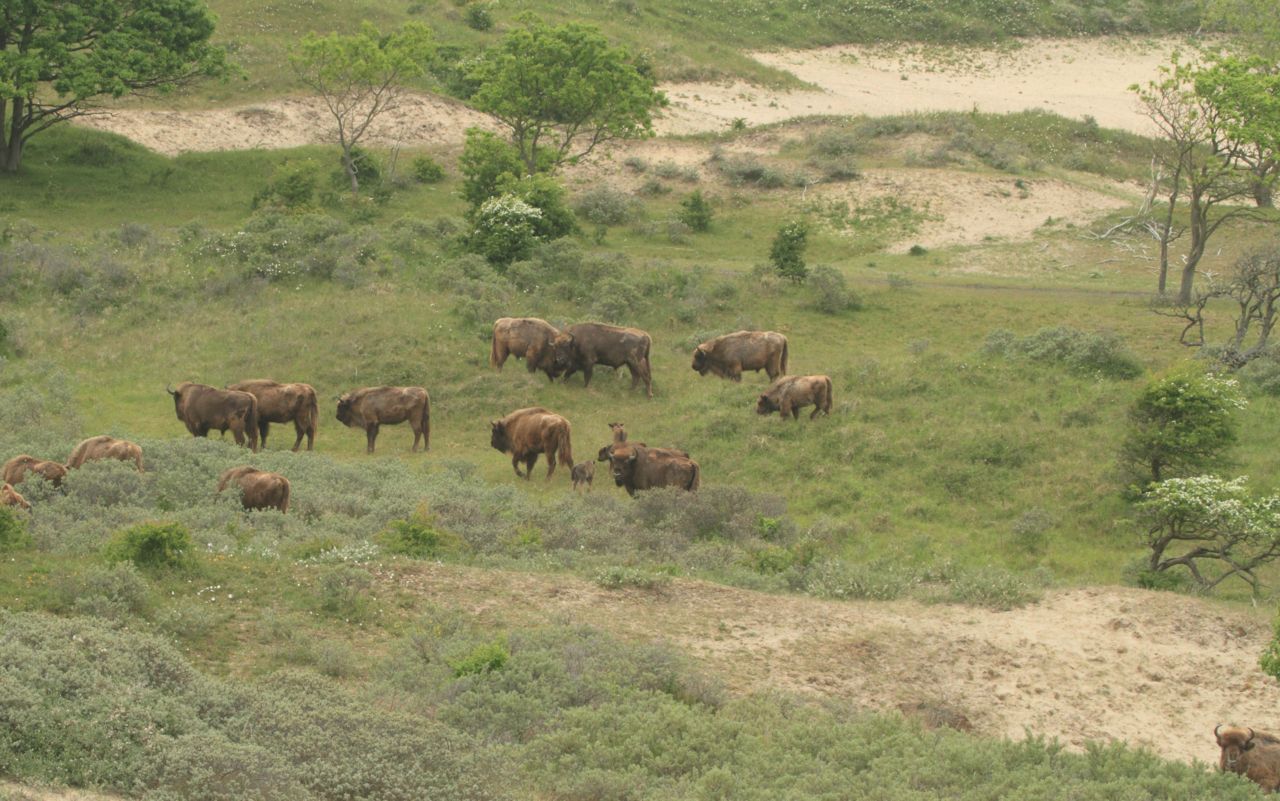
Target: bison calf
[[104, 447], [258, 488], [10, 497], [728, 355], [789, 393], [525, 433], [370, 407], [16, 469], [1253, 754], [283, 403], [583, 474]]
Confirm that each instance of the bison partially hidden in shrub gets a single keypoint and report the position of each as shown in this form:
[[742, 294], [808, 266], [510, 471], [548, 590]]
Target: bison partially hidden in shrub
[[259, 489], [283, 403], [528, 338], [525, 433], [15, 470], [105, 447], [728, 355], [370, 407], [636, 467], [1253, 754], [10, 497], [789, 393]]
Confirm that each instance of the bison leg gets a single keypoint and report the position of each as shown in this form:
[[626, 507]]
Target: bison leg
[[735, 373], [529, 461], [417, 435], [371, 433], [238, 434], [297, 443], [587, 369], [551, 462], [515, 465]]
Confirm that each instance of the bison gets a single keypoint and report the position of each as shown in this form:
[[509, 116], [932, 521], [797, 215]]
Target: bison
[[636, 467], [10, 497], [283, 403], [16, 469], [1253, 754], [203, 408], [528, 338], [583, 346], [789, 393], [258, 488], [371, 407], [104, 447], [620, 437], [728, 355], [583, 473], [525, 433]]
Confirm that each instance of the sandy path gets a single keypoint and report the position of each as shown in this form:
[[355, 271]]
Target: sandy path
[[1152, 669]]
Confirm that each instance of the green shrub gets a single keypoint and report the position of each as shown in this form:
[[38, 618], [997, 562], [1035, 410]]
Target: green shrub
[[1100, 352], [478, 17], [150, 545], [292, 186], [1031, 530], [787, 251], [695, 212], [481, 659], [487, 161], [615, 578], [831, 293], [115, 593], [368, 171], [505, 230], [419, 537], [427, 170], [13, 530], [343, 591], [605, 205], [1180, 424]]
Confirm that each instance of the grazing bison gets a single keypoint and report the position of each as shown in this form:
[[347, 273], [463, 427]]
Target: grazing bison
[[789, 393], [258, 488], [203, 408], [583, 346], [10, 497], [728, 355], [583, 474], [1253, 754], [104, 447], [525, 433], [636, 467], [283, 403], [371, 407], [528, 338], [16, 469]]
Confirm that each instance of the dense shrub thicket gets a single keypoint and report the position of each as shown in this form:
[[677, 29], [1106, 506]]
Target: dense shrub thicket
[[1097, 352]]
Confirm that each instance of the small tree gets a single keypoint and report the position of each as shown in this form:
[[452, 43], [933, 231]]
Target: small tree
[[361, 77], [487, 162], [695, 212], [563, 91], [1244, 93], [57, 57], [1180, 425], [787, 252], [1211, 527]]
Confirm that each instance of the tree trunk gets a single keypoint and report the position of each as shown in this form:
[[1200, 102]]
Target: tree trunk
[[1199, 227], [349, 165], [1262, 195], [11, 150]]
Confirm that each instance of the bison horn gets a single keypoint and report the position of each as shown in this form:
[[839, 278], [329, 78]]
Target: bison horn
[[169, 388], [1215, 731]]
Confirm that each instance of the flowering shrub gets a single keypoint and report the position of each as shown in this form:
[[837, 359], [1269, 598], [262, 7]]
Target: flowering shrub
[[505, 229]]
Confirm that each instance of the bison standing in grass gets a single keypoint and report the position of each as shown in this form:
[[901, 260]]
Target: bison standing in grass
[[583, 346], [525, 433], [283, 403], [528, 338], [10, 497], [203, 408], [258, 488], [789, 393], [728, 355], [16, 469], [636, 467], [371, 407], [104, 447], [1253, 754]]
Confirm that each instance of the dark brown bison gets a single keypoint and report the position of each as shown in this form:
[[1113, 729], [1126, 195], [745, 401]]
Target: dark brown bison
[[583, 346], [528, 338], [583, 474], [203, 408], [10, 497], [728, 355], [1253, 754], [620, 438], [104, 447], [371, 407], [525, 433], [636, 467], [258, 488], [283, 403], [789, 393], [16, 469]]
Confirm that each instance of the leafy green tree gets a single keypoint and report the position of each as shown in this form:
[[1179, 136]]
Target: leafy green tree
[[1180, 425], [361, 77], [486, 162], [57, 57], [1244, 94], [563, 91], [695, 212], [1253, 25], [787, 251]]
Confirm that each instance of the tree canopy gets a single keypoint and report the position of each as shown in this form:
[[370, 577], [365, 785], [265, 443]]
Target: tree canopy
[[563, 91], [57, 56]]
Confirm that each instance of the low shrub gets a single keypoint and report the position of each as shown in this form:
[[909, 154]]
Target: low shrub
[[13, 530], [695, 212], [830, 291], [616, 578], [419, 537], [605, 205], [484, 658], [150, 545], [116, 593], [1102, 353], [427, 170]]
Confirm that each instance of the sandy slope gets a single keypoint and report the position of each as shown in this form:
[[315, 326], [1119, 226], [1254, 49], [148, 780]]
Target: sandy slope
[[1152, 669]]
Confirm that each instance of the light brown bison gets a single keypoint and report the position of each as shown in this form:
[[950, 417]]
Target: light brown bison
[[583, 346], [636, 467], [525, 433], [620, 438], [1253, 754], [728, 355], [258, 488], [283, 403], [10, 497], [371, 407], [16, 469], [583, 474], [528, 338], [789, 393], [203, 408], [104, 447]]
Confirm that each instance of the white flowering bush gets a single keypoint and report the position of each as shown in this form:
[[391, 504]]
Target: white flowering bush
[[505, 229]]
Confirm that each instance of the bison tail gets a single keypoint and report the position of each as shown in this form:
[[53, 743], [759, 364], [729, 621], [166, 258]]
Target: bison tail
[[783, 363], [309, 415], [493, 349], [695, 479], [826, 406], [565, 447], [251, 425], [284, 498], [426, 423]]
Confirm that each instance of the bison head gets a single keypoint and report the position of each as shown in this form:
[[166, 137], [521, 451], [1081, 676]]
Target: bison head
[[619, 433], [700, 360], [498, 438], [565, 353], [177, 399], [1234, 741], [344, 410], [765, 404], [603, 455], [622, 463]]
